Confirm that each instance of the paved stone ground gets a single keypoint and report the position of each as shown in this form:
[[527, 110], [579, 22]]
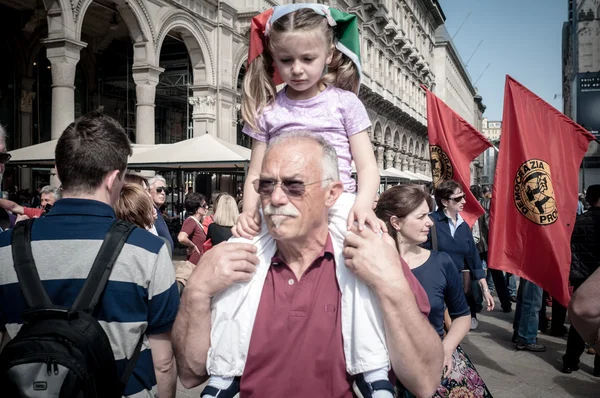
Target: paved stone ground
[[509, 373]]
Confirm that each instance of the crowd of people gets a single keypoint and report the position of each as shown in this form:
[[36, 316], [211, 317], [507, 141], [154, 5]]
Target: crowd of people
[[310, 289]]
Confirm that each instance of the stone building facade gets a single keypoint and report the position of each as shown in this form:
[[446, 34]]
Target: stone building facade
[[172, 69], [581, 78], [453, 86]]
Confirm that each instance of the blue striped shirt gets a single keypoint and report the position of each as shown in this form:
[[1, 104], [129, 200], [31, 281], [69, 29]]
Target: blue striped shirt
[[141, 296]]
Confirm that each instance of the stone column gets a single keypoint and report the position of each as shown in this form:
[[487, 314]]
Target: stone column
[[204, 115], [26, 114], [389, 158], [63, 55], [380, 150], [404, 162], [398, 161], [411, 163], [145, 78]]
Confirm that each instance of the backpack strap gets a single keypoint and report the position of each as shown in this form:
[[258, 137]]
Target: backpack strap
[[132, 362], [103, 264], [29, 279], [434, 237]]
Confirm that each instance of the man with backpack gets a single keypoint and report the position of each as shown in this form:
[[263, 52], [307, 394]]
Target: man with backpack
[[87, 301]]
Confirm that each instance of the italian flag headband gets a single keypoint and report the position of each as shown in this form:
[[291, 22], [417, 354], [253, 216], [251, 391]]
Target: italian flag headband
[[346, 31]]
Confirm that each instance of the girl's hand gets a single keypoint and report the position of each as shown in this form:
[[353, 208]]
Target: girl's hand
[[364, 215], [489, 299], [247, 226]]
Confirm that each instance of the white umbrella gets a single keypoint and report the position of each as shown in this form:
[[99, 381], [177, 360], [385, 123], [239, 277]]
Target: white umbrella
[[399, 174], [204, 152], [43, 154]]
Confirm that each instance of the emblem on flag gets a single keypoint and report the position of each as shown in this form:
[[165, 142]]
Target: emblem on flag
[[534, 193], [441, 166]]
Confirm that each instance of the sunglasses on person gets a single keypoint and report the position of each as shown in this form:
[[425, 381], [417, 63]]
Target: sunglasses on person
[[292, 188], [458, 199], [160, 190], [5, 157]]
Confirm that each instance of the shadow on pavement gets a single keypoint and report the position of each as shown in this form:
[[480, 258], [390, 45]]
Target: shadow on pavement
[[578, 388]]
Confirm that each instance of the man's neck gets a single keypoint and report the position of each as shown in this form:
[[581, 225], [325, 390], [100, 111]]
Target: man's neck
[[99, 196], [300, 254]]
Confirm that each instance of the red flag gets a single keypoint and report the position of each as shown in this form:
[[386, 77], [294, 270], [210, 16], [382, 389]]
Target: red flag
[[534, 201], [453, 145]]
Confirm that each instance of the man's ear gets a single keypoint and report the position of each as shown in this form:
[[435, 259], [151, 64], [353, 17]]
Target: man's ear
[[111, 178], [334, 190]]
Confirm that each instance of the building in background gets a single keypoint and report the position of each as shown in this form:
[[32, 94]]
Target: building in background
[[169, 70], [453, 86], [492, 130], [581, 78]]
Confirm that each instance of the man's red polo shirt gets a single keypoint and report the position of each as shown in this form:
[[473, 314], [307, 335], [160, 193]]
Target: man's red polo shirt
[[296, 348]]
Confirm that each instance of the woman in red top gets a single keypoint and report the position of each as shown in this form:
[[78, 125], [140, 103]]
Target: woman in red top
[[192, 233]]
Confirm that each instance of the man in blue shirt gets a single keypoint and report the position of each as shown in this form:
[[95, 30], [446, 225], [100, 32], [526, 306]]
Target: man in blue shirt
[[141, 298]]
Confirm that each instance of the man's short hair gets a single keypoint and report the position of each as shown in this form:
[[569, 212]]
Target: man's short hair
[[53, 190], [330, 169], [90, 148], [592, 195], [156, 179]]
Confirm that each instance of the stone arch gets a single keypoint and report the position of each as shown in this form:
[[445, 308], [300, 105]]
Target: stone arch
[[239, 60], [378, 134], [59, 16], [138, 22], [404, 146], [196, 42], [411, 146], [134, 15], [396, 139], [388, 136]]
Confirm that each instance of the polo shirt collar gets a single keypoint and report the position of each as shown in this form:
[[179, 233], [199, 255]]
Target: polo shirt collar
[[443, 216], [81, 207]]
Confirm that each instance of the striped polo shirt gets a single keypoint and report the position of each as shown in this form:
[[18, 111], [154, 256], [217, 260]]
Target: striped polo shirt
[[141, 296]]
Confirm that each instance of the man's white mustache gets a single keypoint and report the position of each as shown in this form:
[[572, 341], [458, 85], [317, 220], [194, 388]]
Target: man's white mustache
[[287, 210]]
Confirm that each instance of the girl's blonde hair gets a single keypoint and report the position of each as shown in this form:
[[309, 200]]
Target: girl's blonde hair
[[227, 211], [134, 205], [259, 88]]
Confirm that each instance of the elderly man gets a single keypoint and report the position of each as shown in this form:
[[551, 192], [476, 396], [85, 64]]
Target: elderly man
[[48, 194], [295, 349], [158, 191]]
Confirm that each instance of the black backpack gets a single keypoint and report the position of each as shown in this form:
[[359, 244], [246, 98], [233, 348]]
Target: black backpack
[[63, 352]]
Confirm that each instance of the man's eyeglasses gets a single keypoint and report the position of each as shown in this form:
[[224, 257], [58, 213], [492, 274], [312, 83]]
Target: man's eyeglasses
[[458, 199], [292, 188], [5, 157], [205, 205], [160, 190]]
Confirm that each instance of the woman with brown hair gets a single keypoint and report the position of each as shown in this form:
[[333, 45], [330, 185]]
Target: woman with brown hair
[[134, 205], [405, 210], [193, 234]]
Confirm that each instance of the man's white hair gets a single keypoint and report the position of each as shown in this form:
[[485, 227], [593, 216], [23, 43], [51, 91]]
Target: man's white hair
[[329, 166], [53, 190], [156, 179]]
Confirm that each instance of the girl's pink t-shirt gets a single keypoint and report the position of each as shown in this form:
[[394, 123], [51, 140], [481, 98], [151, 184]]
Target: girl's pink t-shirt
[[334, 114]]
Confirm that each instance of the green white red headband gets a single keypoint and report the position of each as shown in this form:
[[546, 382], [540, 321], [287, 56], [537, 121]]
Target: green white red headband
[[347, 35]]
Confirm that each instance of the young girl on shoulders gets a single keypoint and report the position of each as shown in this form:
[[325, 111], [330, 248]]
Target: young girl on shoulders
[[314, 50]]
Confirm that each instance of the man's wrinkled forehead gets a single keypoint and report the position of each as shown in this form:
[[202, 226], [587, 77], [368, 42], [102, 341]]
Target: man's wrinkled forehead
[[289, 159]]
